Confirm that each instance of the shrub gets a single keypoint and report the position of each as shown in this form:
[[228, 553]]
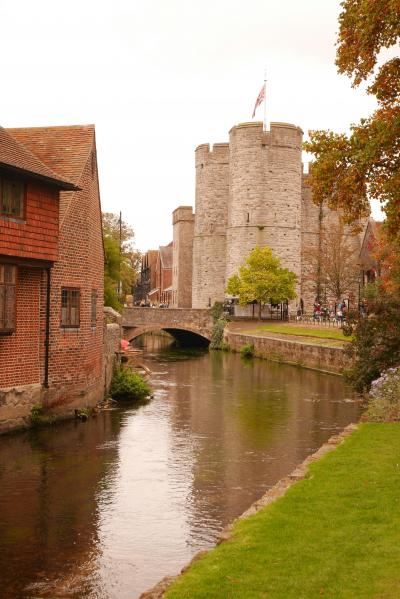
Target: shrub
[[247, 351], [217, 311], [384, 397], [376, 343], [217, 335], [225, 346], [38, 416], [127, 384]]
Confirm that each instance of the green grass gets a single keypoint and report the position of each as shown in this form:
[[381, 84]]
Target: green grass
[[301, 331], [335, 534]]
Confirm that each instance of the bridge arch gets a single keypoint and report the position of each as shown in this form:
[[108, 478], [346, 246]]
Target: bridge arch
[[184, 334]]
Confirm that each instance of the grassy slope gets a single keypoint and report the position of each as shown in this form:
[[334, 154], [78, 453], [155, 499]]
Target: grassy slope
[[335, 534], [301, 331]]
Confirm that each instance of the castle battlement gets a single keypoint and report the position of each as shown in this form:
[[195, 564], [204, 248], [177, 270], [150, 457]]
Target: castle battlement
[[250, 192], [218, 153]]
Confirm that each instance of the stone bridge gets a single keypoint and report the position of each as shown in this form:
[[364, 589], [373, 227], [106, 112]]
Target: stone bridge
[[186, 325]]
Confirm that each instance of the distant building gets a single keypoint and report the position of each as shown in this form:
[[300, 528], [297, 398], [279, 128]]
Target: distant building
[[155, 279], [51, 272], [147, 277], [369, 265]]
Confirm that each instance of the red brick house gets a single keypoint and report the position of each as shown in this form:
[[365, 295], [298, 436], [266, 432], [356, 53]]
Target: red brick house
[[51, 272], [162, 291], [147, 277]]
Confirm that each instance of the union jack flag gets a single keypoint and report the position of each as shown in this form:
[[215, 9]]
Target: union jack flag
[[260, 99]]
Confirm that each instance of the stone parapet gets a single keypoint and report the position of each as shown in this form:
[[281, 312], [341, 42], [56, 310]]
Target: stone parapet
[[318, 357]]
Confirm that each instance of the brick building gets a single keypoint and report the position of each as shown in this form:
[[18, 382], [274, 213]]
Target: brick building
[[51, 272], [162, 292], [147, 277]]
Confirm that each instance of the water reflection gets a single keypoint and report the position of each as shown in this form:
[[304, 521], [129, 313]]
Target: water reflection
[[103, 509]]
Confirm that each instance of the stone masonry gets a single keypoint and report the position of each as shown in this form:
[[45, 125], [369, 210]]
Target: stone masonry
[[250, 192], [183, 227]]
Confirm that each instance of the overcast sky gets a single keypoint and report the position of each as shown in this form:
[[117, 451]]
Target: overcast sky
[[159, 77]]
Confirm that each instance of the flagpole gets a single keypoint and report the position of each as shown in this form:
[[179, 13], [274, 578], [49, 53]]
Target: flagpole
[[265, 100]]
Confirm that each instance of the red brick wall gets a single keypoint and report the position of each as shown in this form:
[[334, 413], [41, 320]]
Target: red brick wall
[[166, 278], [20, 361], [37, 236], [76, 355]]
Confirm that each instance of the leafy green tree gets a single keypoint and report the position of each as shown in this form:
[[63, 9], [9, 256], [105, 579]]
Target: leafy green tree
[[111, 273], [262, 279], [121, 266], [350, 169]]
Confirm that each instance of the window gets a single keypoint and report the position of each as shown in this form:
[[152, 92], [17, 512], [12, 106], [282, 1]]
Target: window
[[93, 308], [12, 198], [70, 308], [8, 279]]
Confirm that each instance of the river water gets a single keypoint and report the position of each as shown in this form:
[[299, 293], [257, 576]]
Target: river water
[[106, 508]]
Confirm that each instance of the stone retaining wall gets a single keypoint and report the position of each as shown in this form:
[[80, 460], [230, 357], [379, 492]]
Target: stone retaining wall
[[319, 357], [112, 344], [16, 403]]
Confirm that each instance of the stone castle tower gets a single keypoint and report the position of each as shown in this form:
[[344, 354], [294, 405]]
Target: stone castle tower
[[182, 257], [248, 193], [251, 192]]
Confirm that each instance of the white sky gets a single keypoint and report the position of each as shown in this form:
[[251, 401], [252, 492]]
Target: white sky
[[159, 77]]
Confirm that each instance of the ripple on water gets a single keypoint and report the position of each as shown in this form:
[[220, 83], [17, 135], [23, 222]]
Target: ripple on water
[[122, 500]]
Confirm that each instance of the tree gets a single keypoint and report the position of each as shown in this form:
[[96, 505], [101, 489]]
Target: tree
[[262, 279], [122, 263], [111, 273], [350, 169], [332, 269]]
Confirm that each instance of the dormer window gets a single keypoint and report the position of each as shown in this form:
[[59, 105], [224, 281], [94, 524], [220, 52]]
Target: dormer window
[[12, 198]]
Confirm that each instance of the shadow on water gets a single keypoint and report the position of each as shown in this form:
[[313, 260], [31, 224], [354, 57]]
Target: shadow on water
[[103, 509]]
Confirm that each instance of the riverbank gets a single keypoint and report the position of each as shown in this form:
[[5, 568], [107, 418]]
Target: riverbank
[[310, 347], [335, 534]]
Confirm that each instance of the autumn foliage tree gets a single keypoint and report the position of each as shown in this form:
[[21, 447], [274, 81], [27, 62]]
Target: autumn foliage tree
[[349, 170], [262, 279], [332, 270]]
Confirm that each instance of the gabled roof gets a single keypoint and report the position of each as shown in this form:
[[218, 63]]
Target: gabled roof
[[368, 245], [64, 149], [16, 157], [166, 255]]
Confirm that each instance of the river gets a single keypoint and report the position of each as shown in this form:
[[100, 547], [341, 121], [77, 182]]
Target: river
[[105, 508]]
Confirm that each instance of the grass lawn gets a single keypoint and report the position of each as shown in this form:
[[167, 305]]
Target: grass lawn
[[335, 534], [301, 331]]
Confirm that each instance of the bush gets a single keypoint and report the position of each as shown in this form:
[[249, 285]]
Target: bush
[[38, 416], [247, 351], [217, 311], [217, 335], [225, 346], [376, 344], [384, 397], [127, 384]]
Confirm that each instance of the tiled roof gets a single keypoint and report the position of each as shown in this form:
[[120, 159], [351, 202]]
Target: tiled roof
[[16, 156], [166, 255], [64, 149]]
